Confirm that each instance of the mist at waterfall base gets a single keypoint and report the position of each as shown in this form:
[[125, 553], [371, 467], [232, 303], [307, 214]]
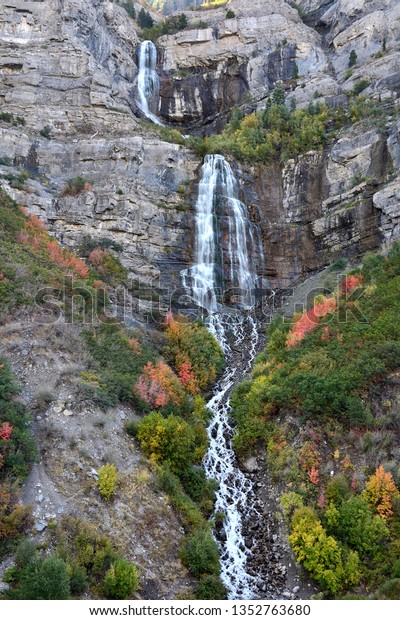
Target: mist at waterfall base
[[148, 80], [220, 215]]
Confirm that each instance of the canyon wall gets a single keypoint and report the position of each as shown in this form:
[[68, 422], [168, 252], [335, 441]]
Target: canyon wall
[[69, 70]]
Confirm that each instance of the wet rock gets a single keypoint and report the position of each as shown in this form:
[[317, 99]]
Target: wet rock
[[250, 465]]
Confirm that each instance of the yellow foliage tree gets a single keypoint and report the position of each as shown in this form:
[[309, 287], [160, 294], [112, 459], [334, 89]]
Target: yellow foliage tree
[[108, 479]]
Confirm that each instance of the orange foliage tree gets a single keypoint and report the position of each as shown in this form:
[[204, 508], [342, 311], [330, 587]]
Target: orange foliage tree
[[194, 352], [158, 385], [313, 475], [381, 492]]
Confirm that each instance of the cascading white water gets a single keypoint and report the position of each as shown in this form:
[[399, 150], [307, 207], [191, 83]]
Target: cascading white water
[[219, 212], [235, 494], [148, 80], [218, 206]]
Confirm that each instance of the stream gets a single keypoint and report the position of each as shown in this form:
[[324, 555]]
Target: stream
[[235, 494], [227, 257]]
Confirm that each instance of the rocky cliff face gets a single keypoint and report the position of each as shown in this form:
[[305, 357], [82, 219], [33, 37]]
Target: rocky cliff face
[[69, 69], [207, 70], [323, 206]]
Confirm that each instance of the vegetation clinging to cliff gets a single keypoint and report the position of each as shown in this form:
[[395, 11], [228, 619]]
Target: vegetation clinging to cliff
[[280, 132], [275, 133], [310, 401]]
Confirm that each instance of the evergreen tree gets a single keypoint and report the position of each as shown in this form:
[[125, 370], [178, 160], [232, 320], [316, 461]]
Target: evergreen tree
[[352, 58], [44, 579], [145, 20], [129, 8], [278, 96]]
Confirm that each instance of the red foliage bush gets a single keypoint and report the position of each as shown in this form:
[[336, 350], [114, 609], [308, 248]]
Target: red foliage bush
[[35, 224], [309, 320], [5, 434], [158, 385], [135, 345], [5, 431], [65, 258], [349, 283], [186, 375]]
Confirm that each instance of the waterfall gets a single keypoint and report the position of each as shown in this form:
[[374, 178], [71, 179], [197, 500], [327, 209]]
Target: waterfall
[[225, 249], [222, 266], [148, 80]]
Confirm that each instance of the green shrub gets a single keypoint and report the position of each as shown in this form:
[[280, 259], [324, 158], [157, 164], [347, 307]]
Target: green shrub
[[338, 489], [46, 132], [116, 363], [359, 528], [198, 487], [230, 14], [396, 569], [188, 512], [88, 244], [277, 133], [21, 449], [76, 186], [339, 265], [200, 553], [352, 58], [15, 519], [360, 86], [121, 580], [44, 579], [26, 550], [129, 8], [108, 480], [390, 590], [290, 502], [8, 117], [321, 554], [144, 19], [210, 588], [81, 544], [77, 578], [170, 440]]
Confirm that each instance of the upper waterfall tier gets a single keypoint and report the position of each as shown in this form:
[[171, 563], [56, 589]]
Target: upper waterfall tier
[[227, 245], [148, 80]]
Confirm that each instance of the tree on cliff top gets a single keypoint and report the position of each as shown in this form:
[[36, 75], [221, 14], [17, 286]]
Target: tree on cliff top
[[145, 20]]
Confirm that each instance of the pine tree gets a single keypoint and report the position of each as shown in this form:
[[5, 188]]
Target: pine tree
[[352, 58], [145, 20]]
